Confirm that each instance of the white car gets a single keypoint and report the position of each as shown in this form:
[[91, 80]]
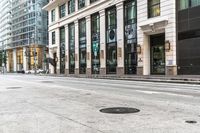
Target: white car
[[29, 71]]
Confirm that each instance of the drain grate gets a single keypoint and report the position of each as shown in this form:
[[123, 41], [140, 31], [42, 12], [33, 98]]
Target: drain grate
[[191, 122], [119, 110], [47, 81], [13, 88]]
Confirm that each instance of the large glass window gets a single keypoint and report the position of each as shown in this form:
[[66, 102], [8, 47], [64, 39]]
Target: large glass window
[[91, 1], [82, 46], [130, 37], [153, 8], [195, 3], [184, 4], [53, 15], [111, 46], [62, 50], [71, 48], [95, 22], [62, 10], [53, 35], [71, 6], [81, 4]]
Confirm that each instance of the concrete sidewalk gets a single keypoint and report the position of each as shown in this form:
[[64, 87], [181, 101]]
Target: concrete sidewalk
[[183, 79]]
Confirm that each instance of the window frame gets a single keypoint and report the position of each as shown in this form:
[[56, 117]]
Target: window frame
[[150, 8]]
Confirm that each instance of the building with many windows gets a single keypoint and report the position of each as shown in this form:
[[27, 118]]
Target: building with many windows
[[5, 28], [120, 37], [93, 36], [29, 35], [188, 41]]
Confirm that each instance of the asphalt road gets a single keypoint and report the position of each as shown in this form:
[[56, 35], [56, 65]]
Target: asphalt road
[[42, 104]]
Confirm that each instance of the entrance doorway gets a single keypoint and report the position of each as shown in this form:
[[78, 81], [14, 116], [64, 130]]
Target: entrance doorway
[[157, 44]]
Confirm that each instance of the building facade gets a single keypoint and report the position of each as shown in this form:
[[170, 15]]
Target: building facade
[[5, 29], [93, 36], [188, 42], [142, 37], [29, 35]]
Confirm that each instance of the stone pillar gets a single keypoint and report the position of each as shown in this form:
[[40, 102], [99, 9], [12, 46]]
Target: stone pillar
[[8, 61], [120, 39], [14, 60], [102, 42], [76, 48], [51, 67], [76, 5], [66, 50], [88, 35], [87, 2], [57, 32], [25, 61]]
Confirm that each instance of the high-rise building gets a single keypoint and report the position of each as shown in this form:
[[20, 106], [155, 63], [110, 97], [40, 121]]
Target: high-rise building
[[5, 29], [29, 35]]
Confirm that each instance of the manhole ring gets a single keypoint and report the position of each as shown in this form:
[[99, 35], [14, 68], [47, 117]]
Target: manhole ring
[[191, 122], [12, 88], [47, 81], [119, 110]]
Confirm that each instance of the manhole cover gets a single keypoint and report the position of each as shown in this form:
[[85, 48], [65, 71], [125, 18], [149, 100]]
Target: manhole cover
[[119, 110], [191, 122], [10, 88], [47, 81]]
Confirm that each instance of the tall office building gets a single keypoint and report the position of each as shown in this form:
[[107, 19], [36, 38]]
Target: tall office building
[[5, 28], [29, 35]]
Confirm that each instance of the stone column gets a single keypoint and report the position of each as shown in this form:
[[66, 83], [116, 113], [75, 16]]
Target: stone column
[[88, 35], [66, 50], [14, 60], [76, 48], [57, 32], [7, 61], [51, 67], [102, 42], [25, 62], [87, 2], [76, 5], [120, 39]]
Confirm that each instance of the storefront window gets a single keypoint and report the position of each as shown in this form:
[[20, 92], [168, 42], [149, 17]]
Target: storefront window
[[130, 37], [71, 48], [95, 19], [111, 46], [82, 46], [62, 50]]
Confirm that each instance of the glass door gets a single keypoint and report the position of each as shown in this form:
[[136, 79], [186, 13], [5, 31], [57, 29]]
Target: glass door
[[157, 54]]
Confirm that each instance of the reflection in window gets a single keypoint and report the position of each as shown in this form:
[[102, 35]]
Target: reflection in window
[[111, 46], [71, 48], [71, 6], [95, 21], [62, 50], [82, 46], [153, 8]]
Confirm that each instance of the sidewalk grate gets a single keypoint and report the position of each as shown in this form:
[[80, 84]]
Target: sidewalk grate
[[119, 110], [47, 81], [191, 122], [13, 88]]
